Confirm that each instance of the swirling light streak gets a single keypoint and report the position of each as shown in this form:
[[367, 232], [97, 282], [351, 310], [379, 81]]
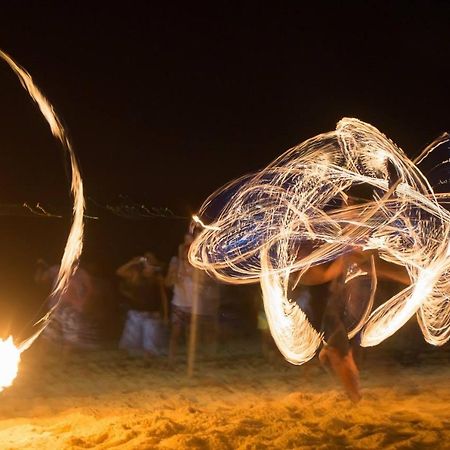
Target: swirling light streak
[[10, 356], [294, 215]]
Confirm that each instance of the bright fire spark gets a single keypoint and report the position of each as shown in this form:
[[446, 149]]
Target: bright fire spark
[[9, 362], [197, 219], [9, 353], [294, 215]]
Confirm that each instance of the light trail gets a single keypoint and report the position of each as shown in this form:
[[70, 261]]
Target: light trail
[[293, 215], [74, 243]]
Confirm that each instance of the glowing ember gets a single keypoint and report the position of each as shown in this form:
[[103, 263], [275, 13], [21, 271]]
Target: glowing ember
[[9, 362], [295, 214]]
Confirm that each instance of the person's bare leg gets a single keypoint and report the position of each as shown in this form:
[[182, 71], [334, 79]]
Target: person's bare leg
[[344, 368]]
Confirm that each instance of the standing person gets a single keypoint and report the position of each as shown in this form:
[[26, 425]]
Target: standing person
[[180, 276], [206, 309], [72, 326], [196, 299], [104, 305], [143, 286]]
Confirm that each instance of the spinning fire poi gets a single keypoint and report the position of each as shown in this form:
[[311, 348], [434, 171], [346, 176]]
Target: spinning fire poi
[[295, 216], [9, 352]]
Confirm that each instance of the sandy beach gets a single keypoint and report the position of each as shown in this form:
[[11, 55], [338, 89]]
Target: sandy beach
[[104, 400]]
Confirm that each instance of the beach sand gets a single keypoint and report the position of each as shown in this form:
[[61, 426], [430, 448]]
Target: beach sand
[[238, 400]]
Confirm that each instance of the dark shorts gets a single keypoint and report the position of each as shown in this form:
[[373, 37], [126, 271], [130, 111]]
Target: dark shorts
[[180, 316]]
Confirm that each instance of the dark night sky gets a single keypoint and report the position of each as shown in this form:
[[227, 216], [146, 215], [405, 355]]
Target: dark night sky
[[166, 103]]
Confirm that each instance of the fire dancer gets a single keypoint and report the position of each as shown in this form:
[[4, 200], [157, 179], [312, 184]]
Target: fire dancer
[[348, 286]]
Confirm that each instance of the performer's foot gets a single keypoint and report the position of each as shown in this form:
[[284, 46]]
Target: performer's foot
[[344, 368]]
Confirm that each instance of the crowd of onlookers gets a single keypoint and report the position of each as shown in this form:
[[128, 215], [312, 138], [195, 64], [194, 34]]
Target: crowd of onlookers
[[161, 306], [149, 309]]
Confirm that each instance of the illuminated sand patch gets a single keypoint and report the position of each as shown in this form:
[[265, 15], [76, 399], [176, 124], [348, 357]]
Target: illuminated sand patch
[[235, 402]]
